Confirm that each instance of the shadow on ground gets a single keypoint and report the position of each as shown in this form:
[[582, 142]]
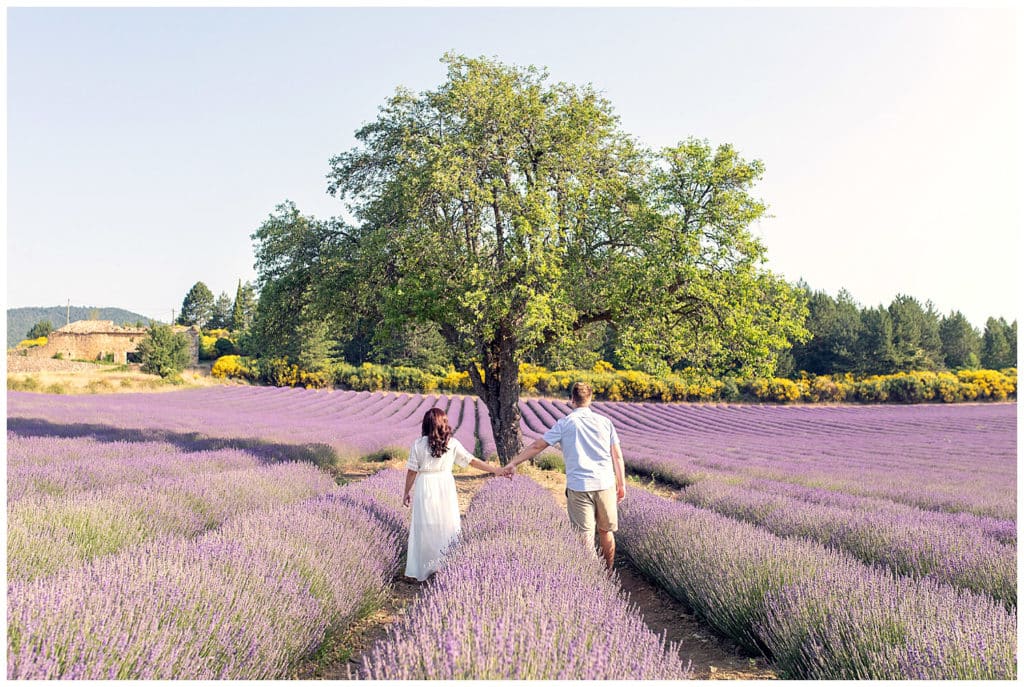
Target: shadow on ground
[[321, 455]]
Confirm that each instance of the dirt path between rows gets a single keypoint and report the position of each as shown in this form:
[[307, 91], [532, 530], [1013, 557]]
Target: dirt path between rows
[[712, 657]]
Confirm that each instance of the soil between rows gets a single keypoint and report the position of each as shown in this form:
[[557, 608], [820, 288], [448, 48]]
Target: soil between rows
[[712, 657]]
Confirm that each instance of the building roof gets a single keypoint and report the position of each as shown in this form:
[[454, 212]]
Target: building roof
[[97, 327]]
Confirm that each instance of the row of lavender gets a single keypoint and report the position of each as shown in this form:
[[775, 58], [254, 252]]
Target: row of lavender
[[73, 500], [925, 491], [968, 550], [954, 459], [951, 459], [352, 422], [520, 598], [245, 601], [820, 613]]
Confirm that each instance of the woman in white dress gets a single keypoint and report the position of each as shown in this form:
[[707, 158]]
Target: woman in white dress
[[435, 504]]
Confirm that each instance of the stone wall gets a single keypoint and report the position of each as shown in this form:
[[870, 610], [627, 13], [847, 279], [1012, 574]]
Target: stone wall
[[96, 341]]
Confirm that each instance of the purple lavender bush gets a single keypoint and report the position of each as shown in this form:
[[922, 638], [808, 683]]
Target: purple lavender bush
[[907, 540], [519, 597], [757, 588], [244, 602], [46, 533], [854, 623]]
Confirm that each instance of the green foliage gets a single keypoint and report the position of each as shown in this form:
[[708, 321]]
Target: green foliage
[[197, 307], [412, 345], [225, 346], [999, 344], [40, 329], [221, 312], [876, 353], [549, 460], [164, 352], [290, 320], [915, 335], [835, 326], [511, 213], [244, 307], [961, 342]]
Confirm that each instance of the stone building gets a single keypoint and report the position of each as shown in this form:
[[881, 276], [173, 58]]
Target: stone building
[[99, 339]]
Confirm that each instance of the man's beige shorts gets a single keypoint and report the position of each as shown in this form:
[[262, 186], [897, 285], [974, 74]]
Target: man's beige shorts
[[588, 509]]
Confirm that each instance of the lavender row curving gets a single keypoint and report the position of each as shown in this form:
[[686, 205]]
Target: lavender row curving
[[912, 542], [247, 601], [46, 533], [818, 612], [520, 598]]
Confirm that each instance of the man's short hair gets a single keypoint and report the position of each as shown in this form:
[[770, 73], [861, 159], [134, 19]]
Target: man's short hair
[[582, 393]]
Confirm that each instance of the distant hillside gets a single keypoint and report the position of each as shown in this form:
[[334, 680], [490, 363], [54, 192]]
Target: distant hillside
[[20, 320]]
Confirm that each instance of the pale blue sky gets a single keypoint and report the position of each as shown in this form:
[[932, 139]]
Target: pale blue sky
[[146, 145]]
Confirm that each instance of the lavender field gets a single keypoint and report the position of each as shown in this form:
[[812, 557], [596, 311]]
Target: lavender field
[[841, 541]]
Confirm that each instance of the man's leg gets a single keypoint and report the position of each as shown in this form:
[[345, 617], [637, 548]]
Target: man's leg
[[607, 516], [607, 542], [581, 514]]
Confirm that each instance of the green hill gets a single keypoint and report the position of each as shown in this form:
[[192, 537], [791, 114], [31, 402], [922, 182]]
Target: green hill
[[20, 320]]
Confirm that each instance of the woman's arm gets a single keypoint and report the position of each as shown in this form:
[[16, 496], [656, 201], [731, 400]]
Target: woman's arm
[[410, 477], [486, 467]]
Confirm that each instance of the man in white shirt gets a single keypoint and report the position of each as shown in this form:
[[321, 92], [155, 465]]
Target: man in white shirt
[[594, 471]]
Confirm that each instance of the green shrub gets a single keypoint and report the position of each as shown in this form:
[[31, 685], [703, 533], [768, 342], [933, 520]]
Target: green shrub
[[412, 379], [225, 346], [164, 352], [550, 461], [905, 388], [277, 372]]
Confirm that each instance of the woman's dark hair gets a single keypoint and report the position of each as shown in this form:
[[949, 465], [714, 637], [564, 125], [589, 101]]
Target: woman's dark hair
[[437, 431]]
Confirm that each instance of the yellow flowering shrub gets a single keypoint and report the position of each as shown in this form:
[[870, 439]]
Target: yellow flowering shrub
[[32, 343], [231, 366], [776, 389], [207, 347], [947, 387], [990, 384], [455, 381]]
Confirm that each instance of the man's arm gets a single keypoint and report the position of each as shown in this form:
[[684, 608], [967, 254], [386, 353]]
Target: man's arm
[[528, 453], [620, 472]]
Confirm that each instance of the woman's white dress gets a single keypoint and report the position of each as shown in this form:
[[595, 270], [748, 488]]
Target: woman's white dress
[[435, 506]]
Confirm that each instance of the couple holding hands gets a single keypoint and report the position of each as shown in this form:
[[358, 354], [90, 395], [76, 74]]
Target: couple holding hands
[[594, 472]]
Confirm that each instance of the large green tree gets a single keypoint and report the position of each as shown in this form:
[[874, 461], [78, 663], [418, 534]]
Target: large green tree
[[220, 314], [290, 321], [999, 344], [835, 326], [961, 342], [511, 213], [915, 334], [244, 307], [876, 353], [41, 328], [197, 306]]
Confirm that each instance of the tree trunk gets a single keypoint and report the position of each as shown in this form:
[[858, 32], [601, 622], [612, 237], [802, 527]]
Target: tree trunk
[[499, 390]]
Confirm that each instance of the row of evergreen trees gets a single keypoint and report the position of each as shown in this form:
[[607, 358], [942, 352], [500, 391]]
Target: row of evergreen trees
[[845, 337], [906, 335], [200, 308]]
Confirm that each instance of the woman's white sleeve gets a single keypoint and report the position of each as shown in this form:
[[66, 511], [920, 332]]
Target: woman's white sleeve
[[462, 456], [414, 458]]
